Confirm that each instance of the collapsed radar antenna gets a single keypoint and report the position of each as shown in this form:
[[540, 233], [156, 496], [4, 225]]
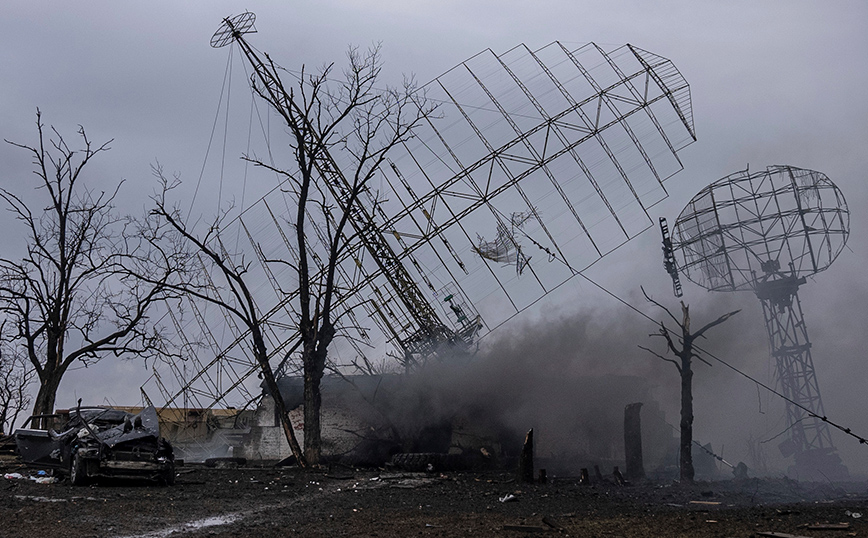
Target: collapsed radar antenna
[[766, 232], [576, 141]]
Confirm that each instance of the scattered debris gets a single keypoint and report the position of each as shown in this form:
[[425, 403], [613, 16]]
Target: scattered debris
[[787, 512], [44, 479], [713, 503], [780, 535], [553, 523], [225, 463], [828, 527], [854, 515], [39, 499], [43, 499], [508, 498], [192, 526], [399, 481]]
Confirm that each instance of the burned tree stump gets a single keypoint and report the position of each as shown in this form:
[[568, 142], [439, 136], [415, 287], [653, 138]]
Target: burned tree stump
[[635, 468], [619, 478], [525, 460], [597, 474]]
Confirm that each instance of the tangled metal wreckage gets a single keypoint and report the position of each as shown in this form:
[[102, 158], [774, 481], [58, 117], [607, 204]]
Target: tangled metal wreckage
[[559, 152], [97, 441]]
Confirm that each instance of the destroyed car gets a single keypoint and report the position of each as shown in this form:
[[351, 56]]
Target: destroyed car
[[99, 441]]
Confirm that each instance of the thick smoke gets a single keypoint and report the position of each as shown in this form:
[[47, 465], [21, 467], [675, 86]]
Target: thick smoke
[[569, 373]]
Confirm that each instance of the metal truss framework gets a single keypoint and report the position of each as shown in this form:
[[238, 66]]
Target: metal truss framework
[[578, 140], [750, 224], [737, 234], [791, 350]]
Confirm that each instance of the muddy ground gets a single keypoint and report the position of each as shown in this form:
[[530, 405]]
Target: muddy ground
[[271, 501]]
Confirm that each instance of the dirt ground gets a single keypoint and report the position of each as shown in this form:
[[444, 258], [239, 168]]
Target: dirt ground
[[270, 501]]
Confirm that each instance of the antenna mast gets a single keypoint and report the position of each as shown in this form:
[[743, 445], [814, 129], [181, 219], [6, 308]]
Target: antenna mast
[[766, 232]]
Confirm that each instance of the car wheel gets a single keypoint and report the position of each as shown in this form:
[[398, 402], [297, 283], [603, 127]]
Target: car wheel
[[78, 470]]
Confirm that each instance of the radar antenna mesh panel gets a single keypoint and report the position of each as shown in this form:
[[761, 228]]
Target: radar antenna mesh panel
[[574, 143]]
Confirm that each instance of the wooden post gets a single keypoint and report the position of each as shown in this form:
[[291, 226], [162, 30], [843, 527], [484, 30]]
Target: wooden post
[[635, 468], [597, 474], [619, 478], [525, 460]]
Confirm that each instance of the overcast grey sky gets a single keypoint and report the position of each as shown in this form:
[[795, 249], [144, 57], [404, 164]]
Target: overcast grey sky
[[772, 83]]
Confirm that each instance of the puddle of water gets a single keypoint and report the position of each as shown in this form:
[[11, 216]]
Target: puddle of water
[[191, 526], [43, 499], [39, 499]]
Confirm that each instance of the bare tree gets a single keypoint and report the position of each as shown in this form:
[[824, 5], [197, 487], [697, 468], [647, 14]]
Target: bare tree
[[15, 378], [685, 353], [231, 293], [364, 124], [360, 122], [71, 297]]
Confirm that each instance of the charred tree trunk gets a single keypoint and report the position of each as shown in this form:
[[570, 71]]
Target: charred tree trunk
[[684, 365], [314, 361], [633, 442], [312, 407], [686, 449]]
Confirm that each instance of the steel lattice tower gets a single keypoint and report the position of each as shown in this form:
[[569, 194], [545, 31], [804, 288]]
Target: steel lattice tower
[[791, 350], [765, 232]]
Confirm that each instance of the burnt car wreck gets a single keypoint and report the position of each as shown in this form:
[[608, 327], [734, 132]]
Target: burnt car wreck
[[99, 441]]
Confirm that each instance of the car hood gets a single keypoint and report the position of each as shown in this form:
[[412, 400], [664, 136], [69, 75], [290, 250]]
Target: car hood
[[143, 425]]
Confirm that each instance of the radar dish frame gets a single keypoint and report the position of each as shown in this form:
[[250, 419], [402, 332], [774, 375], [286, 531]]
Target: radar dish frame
[[766, 232], [233, 27]]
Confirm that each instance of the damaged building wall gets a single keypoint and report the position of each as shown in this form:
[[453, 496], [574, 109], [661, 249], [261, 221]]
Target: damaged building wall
[[265, 439], [369, 418]]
